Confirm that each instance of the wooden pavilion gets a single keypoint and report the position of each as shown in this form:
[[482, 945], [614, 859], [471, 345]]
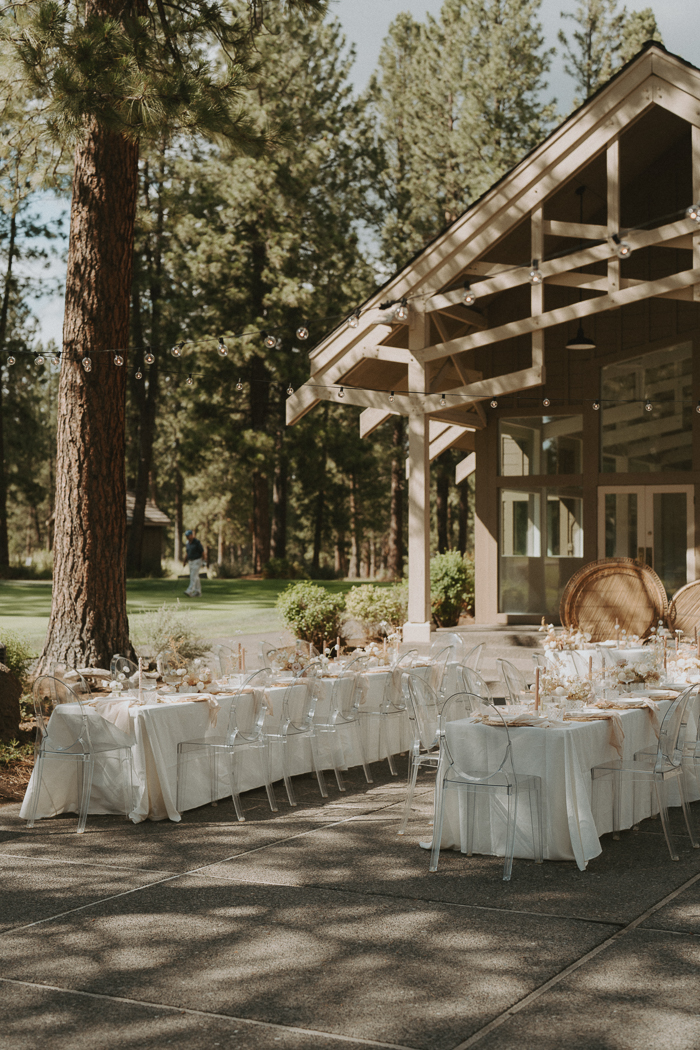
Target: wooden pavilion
[[552, 332]]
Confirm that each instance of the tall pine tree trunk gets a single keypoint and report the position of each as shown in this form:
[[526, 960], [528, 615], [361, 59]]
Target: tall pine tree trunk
[[398, 466], [355, 539], [463, 517], [279, 499], [4, 313], [88, 613], [442, 496], [179, 520], [261, 522]]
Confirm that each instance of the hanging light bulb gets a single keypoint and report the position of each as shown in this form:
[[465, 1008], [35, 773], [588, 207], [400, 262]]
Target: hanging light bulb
[[290, 389], [443, 401], [11, 359], [535, 275], [469, 298], [138, 374], [494, 403], [546, 402], [302, 332], [278, 343], [391, 398], [401, 312], [87, 364], [596, 406], [580, 341], [222, 348], [622, 248], [697, 407], [190, 380], [341, 392], [239, 385], [270, 342], [176, 350], [354, 318], [648, 407], [693, 212], [39, 358], [149, 358], [118, 360]]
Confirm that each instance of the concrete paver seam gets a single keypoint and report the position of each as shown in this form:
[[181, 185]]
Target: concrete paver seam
[[89, 864], [572, 967], [209, 1014]]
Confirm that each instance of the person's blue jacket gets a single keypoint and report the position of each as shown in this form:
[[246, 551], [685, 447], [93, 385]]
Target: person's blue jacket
[[194, 549]]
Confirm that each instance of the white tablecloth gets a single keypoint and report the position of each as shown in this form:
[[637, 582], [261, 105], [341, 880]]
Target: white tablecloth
[[574, 813], [158, 728]]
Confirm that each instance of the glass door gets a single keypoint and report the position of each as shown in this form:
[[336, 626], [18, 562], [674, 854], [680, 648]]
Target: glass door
[[653, 524]]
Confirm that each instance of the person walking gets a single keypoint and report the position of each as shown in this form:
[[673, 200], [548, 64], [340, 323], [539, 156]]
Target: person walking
[[194, 555]]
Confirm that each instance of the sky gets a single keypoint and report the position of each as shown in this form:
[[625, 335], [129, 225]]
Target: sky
[[366, 22]]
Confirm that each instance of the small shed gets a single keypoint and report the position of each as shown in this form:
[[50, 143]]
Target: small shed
[[154, 526]]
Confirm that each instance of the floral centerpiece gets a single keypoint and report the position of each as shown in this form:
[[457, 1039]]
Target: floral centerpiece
[[560, 688], [567, 638], [643, 670]]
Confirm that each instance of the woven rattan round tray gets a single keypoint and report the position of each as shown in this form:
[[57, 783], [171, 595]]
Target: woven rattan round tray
[[684, 610], [614, 590]]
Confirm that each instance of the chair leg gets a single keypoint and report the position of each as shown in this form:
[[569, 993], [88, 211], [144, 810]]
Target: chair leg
[[233, 768], [663, 813], [384, 740], [414, 763], [468, 844], [510, 832], [616, 793], [437, 824], [285, 773], [361, 749], [127, 765], [85, 785], [686, 812], [265, 769], [317, 768], [338, 758], [536, 821], [181, 767], [213, 776], [36, 789]]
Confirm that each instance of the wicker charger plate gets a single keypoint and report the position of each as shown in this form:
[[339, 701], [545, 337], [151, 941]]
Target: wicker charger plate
[[614, 590], [684, 610]]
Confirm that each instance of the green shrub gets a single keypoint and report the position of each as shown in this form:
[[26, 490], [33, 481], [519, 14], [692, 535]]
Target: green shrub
[[310, 612], [170, 627], [19, 655], [225, 570], [371, 606], [284, 569], [451, 587]]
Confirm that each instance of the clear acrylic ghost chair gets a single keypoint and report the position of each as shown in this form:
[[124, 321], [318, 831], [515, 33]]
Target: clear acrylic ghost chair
[[657, 766], [244, 732], [458, 650], [439, 660], [337, 706], [405, 658], [390, 707], [473, 657], [121, 665], [472, 682], [293, 720], [226, 659], [514, 682], [64, 735], [472, 781], [423, 709]]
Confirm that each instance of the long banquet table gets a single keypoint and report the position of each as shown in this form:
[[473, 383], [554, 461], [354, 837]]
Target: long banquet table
[[157, 728], [575, 814]]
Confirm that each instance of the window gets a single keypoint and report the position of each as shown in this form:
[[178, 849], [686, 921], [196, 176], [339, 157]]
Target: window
[[541, 445], [636, 441]]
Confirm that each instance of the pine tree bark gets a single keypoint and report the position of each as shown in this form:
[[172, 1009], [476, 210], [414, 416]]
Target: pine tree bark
[[88, 613], [261, 522], [179, 519], [398, 466], [463, 516], [4, 313], [355, 539], [442, 496], [279, 499]]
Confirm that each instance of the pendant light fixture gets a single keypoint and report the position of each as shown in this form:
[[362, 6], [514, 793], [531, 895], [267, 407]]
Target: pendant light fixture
[[580, 340]]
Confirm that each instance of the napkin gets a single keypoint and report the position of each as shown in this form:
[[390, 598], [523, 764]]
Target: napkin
[[617, 733], [196, 698], [116, 712], [629, 703]]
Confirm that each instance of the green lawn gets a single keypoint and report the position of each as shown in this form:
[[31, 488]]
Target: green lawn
[[227, 607]]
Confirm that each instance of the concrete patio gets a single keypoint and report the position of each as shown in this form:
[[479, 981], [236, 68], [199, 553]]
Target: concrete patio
[[320, 928]]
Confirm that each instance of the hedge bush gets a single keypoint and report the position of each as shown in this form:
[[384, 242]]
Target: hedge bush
[[284, 569], [19, 655], [371, 606], [311, 612], [451, 587]]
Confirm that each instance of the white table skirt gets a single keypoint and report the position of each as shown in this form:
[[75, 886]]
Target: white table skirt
[[575, 813], [157, 730]]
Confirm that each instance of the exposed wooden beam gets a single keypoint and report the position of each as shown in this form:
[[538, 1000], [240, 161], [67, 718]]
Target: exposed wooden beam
[[465, 468], [446, 439], [446, 300], [645, 290], [612, 159], [695, 147], [372, 418], [580, 231]]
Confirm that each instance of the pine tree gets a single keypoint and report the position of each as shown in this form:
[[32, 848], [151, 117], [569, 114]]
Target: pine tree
[[638, 28], [108, 74]]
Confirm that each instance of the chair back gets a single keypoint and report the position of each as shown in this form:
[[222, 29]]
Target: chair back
[[473, 657], [249, 706], [513, 679], [406, 658], [465, 705], [121, 667], [66, 736], [454, 642], [437, 671], [672, 732], [301, 698], [423, 710], [356, 663], [227, 659], [472, 682]]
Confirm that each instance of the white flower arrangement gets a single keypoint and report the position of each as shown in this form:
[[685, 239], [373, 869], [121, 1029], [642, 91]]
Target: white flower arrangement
[[643, 670], [559, 687], [566, 639]]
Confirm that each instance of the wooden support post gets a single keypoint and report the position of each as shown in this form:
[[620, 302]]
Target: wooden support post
[[613, 165], [696, 197], [417, 627], [537, 290]]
